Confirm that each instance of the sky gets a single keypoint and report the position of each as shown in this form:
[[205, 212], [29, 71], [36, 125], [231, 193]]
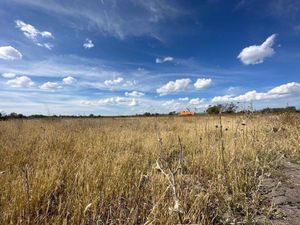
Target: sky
[[122, 57]]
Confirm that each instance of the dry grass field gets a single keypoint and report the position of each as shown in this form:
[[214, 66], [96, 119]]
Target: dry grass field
[[164, 170]]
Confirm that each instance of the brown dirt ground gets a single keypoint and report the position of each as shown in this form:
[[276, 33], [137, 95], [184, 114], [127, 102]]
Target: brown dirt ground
[[283, 194]]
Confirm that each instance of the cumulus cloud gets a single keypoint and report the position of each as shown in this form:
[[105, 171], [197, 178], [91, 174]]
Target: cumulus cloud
[[107, 101], [20, 82], [173, 86], [134, 102], [8, 75], [69, 80], [134, 94], [196, 101], [224, 98], [129, 83], [50, 86], [88, 44], [113, 82], [9, 53], [256, 54], [112, 101], [166, 59], [202, 83], [172, 105], [183, 99], [34, 34], [286, 90]]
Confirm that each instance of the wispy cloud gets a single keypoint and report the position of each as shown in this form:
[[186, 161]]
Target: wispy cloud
[[45, 45], [112, 17], [8, 75], [166, 59]]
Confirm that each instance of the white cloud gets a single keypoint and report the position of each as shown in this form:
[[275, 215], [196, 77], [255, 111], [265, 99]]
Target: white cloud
[[45, 45], [286, 90], [196, 101], [9, 53], [203, 83], [31, 32], [20, 82], [232, 90], [134, 102], [8, 75], [112, 101], [69, 80], [88, 44], [166, 59], [106, 101], [256, 54], [134, 94], [173, 86], [116, 18], [34, 34], [50, 86], [158, 60], [113, 82], [129, 83], [224, 98], [183, 99], [172, 105]]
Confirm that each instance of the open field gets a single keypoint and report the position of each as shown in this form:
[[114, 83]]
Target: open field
[[168, 170]]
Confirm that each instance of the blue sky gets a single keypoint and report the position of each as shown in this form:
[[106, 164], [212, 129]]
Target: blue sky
[[118, 57]]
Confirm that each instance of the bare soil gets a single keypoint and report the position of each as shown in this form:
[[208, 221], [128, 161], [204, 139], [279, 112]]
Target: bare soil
[[283, 194]]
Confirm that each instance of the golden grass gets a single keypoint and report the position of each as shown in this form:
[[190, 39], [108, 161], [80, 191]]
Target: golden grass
[[105, 171]]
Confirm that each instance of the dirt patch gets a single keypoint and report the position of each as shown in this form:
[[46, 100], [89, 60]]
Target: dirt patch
[[283, 194]]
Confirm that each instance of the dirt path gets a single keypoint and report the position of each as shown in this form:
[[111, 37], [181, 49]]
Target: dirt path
[[284, 194]]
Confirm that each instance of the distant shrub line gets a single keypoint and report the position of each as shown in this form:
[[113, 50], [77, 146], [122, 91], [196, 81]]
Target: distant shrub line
[[212, 109]]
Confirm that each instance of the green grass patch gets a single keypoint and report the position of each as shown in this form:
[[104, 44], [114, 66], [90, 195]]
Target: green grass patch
[[296, 158]]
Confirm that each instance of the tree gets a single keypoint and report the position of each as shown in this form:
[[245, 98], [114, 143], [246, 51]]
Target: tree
[[147, 114], [214, 109], [172, 113], [224, 108], [229, 108]]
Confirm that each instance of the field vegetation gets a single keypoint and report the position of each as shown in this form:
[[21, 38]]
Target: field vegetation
[[150, 170]]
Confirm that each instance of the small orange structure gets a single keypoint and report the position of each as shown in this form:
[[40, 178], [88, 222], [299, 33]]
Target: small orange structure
[[186, 113]]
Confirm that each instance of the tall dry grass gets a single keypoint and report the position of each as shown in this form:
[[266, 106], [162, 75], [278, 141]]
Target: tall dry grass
[[200, 170]]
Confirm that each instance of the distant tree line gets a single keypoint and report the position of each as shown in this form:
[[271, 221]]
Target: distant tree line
[[14, 115], [229, 108], [233, 108]]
